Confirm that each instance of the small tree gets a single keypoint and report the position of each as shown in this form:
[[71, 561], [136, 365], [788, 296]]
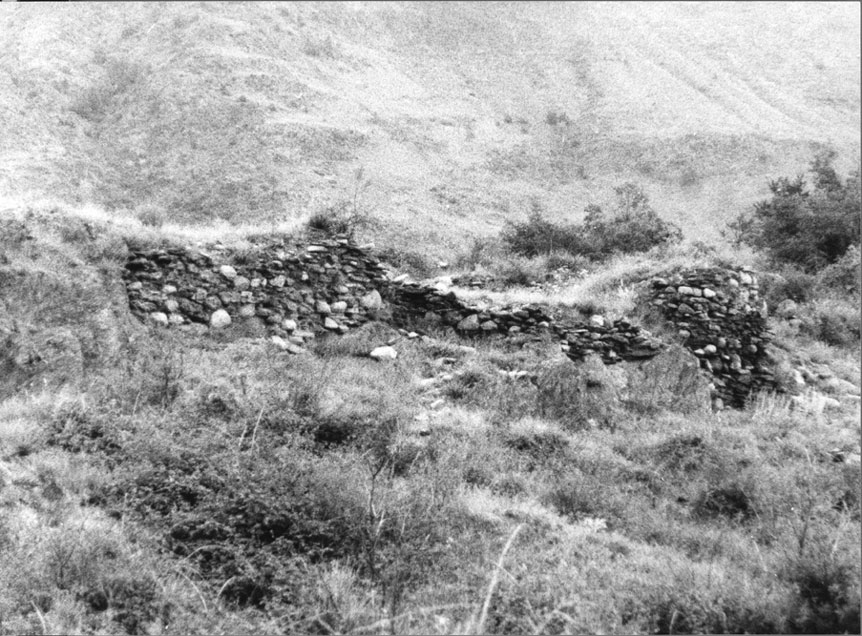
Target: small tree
[[810, 229]]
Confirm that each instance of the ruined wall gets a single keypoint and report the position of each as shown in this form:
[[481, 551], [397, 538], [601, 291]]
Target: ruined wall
[[298, 291], [720, 317], [327, 286]]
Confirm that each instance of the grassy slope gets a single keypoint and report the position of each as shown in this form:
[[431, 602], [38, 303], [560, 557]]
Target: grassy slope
[[661, 521], [265, 111], [156, 493]]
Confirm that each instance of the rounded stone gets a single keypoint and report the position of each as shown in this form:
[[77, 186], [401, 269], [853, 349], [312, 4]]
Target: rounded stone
[[322, 307], [246, 311], [241, 282], [220, 319], [329, 323], [384, 353], [597, 321], [289, 325], [227, 271], [339, 307], [159, 318], [372, 300], [470, 323]]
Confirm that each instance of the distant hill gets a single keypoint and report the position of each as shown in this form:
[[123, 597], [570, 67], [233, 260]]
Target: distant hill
[[458, 114]]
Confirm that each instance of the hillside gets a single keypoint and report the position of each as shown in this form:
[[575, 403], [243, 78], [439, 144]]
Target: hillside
[[458, 114], [305, 328]]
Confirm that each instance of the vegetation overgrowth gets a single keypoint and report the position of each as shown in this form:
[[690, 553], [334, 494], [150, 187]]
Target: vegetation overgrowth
[[195, 486], [157, 482]]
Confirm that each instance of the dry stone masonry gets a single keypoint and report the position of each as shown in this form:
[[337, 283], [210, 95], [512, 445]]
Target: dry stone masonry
[[617, 342], [720, 317], [295, 292]]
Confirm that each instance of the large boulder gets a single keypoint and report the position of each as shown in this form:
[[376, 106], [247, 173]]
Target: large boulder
[[672, 380], [583, 394]]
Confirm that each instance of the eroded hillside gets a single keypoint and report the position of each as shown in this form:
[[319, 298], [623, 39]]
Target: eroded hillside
[[457, 114]]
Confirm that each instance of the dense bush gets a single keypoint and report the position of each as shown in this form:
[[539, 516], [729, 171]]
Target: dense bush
[[540, 236], [634, 227], [807, 228]]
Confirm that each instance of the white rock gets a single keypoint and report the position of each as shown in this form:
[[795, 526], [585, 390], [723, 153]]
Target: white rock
[[339, 307], [371, 300], [227, 271], [172, 305], [279, 342], [278, 281], [745, 279], [329, 323], [831, 403], [169, 289], [322, 307], [289, 325], [247, 311], [159, 318], [708, 293], [384, 353], [597, 321], [403, 278], [219, 319]]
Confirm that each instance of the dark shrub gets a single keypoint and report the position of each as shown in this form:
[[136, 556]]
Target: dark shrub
[[540, 236], [634, 227], [789, 282], [810, 229]]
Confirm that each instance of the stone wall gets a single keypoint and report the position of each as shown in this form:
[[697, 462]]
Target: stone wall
[[298, 291], [720, 317], [295, 291]]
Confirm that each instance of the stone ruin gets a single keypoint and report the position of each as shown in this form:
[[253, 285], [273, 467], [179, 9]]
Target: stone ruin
[[297, 292]]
